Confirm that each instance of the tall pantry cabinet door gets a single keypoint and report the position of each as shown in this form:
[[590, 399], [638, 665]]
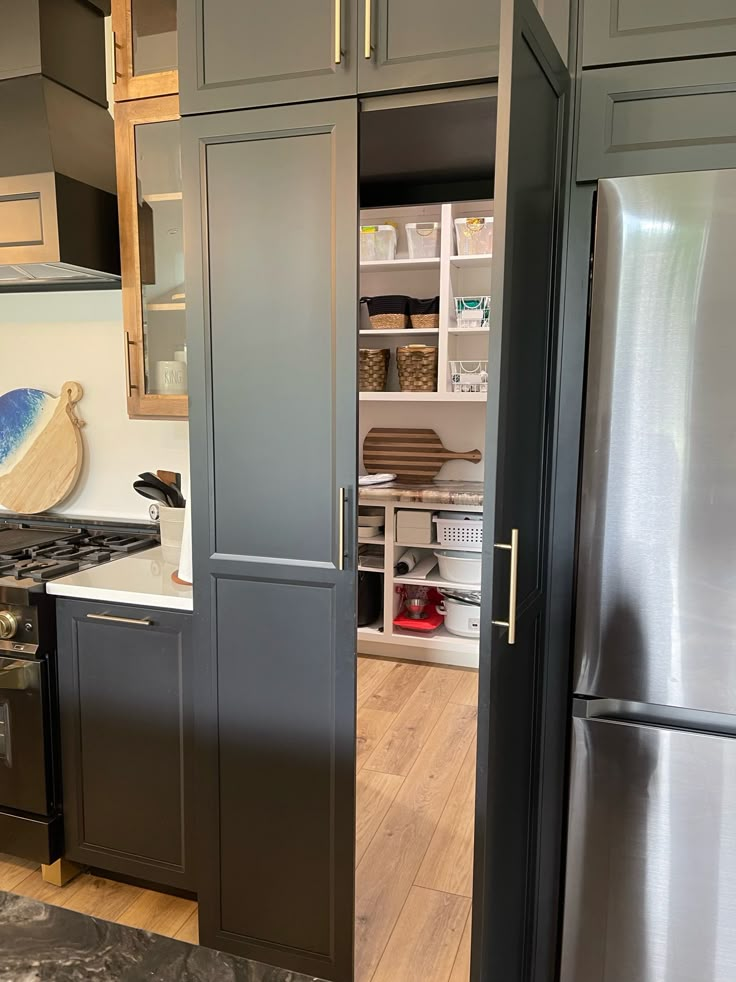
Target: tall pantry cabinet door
[[271, 240], [516, 885], [237, 54], [415, 43]]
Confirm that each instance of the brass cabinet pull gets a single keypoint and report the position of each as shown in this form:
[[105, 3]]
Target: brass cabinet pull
[[368, 28], [338, 31], [341, 530], [114, 59], [128, 344], [140, 621], [513, 548]]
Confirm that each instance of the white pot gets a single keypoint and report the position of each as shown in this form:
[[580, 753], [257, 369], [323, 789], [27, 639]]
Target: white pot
[[171, 522], [461, 619]]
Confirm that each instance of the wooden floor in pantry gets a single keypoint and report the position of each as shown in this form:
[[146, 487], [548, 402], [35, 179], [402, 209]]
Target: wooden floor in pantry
[[414, 836]]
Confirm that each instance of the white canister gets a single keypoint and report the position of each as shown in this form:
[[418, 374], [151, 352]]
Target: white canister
[[171, 521], [171, 378]]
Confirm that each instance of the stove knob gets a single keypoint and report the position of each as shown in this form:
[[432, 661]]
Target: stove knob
[[8, 625]]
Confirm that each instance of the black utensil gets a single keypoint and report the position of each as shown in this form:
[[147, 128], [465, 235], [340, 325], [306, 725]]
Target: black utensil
[[175, 498], [148, 491]]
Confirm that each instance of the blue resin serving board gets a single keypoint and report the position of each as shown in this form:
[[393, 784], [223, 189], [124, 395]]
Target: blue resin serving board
[[41, 448]]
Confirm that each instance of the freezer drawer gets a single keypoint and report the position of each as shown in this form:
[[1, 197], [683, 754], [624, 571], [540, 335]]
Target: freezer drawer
[[651, 872]]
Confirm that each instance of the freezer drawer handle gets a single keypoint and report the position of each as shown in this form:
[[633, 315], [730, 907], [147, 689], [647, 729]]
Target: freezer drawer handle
[[140, 621], [513, 548]]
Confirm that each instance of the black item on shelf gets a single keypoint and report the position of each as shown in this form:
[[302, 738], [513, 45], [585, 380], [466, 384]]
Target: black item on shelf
[[388, 312], [424, 313], [370, 598]]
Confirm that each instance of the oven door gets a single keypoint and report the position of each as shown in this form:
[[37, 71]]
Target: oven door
[[24, 721]]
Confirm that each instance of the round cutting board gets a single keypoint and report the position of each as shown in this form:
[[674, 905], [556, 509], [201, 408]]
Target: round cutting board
[[41, 448]]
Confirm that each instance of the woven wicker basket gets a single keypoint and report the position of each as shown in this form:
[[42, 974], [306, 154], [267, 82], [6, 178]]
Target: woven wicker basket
[[373, 369], [417, 365]]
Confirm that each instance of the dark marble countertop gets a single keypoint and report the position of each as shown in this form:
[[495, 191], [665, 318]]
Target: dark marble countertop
[[42, 943]]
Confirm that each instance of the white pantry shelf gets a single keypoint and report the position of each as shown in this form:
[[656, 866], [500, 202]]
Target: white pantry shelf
[[468, 330], [168, 196], [471, 262], [166, 306], [456, 397], [399, 331], [434, 579], [395, 265]]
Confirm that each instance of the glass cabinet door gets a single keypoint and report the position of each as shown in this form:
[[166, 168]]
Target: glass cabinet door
[[152, 252], [145, 47]]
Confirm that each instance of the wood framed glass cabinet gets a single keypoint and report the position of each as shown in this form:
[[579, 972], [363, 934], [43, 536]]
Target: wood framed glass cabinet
[[150, 204], [144, 48]]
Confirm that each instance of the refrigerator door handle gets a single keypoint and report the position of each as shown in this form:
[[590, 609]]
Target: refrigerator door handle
[[513, 548], [647, 714]]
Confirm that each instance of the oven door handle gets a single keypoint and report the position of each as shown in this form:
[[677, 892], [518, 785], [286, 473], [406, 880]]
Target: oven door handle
[[6, 744]]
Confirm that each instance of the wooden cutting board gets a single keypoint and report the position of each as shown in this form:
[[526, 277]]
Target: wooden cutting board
[[415, 456], [41, 448]]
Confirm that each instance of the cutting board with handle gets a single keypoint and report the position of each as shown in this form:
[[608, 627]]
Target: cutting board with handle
[[41, 448], [415, 456]]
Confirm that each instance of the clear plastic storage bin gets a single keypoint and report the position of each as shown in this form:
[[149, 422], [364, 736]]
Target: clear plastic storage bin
[[473, 312], [423, 239], [474, 236], [469, 376], [377, 243]]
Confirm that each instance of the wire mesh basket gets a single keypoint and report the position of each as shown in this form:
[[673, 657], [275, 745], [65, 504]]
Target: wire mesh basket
[[469, 376], [473, 312]]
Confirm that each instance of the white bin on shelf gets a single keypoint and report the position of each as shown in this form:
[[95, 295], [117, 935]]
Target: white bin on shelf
[[473, 312], [377, 243], [459, 567], [474, 236], [460, 529], [423, 239], [469, 376]]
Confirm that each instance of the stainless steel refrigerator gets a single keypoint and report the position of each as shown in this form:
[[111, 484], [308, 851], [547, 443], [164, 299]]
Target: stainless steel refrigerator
[[651, 873]]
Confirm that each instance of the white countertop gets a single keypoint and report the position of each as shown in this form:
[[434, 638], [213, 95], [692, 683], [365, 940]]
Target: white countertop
[[142, 579]]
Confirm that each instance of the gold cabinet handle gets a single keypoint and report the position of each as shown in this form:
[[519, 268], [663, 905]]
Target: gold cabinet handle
[[368, 28], [513, 548], [341, 530], [128, 344], [114, 59], [338, 31], [140, 621]]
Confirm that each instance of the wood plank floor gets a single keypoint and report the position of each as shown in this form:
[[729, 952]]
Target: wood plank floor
[[414, 836]]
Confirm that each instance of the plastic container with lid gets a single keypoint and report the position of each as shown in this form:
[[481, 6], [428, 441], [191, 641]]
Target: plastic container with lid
[[423, 239], [377, 243], [474, 236]]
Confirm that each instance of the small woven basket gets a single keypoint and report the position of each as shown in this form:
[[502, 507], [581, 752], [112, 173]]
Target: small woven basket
[[425, 314], [417, 365], [373, 369]]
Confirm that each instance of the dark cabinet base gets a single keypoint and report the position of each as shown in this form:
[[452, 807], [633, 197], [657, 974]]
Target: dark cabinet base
[[126, 727]]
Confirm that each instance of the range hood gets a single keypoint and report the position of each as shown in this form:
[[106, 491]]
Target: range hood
[[58, 208]]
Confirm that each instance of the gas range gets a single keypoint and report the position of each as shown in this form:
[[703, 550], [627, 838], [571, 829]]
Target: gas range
[[32, 552]]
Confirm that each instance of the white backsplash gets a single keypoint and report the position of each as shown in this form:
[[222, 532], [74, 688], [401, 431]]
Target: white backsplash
[[50, 338]]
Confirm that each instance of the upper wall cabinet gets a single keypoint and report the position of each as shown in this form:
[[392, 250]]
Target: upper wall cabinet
[[144, 48], [235, 54], [659, 118], [623, 31], [414, 43]]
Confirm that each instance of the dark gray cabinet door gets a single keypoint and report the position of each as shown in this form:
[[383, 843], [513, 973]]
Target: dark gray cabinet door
[[656, 119], [125, 697], [414, 43], [271, 240], [515, 892], [620, 31], [234, 54]]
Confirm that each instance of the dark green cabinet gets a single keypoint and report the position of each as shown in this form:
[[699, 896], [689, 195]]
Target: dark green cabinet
[[235, 54], [416, 43], [659, 118], [271, 265], [125, 698], [621, 31]]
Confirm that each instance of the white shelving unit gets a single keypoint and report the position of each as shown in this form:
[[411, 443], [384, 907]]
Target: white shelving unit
[[382, 638], [447, 276]]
